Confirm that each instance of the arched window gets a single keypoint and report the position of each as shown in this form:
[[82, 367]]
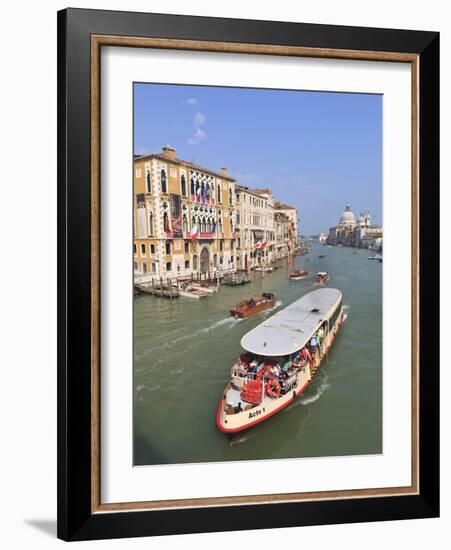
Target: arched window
[[183, 184], [150, 224], [149, 188], [230, 196], [185, 224], [164, 187], [193, 187], [219, 192]]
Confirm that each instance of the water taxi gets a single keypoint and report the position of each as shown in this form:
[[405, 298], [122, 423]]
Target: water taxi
[[298, 274], [322, 277], [280, 358], [253, 306]]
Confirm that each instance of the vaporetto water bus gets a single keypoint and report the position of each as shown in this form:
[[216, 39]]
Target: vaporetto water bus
[[281, 356]]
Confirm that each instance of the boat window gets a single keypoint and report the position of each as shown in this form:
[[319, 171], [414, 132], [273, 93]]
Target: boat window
[[315, 310]]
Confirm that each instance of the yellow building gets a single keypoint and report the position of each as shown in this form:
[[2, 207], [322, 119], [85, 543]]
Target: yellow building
[[183, 217]]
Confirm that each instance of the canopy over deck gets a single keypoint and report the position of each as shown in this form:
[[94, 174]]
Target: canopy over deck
[[290, 329]]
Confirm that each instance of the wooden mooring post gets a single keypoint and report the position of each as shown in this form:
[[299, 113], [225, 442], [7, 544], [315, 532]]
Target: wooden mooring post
[[170, 287], [161, 287]]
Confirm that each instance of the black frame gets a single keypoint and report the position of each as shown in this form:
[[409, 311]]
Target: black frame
[[75, 520]]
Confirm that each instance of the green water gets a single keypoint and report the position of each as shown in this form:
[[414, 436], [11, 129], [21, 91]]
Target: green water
[[184, 349]]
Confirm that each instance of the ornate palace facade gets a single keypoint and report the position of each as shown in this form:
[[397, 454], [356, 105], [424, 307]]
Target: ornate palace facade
[[184, 217]]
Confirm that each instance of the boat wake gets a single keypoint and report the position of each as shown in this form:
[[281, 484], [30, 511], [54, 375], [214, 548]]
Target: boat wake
[[346, 306], [239, 438], [345, 316], [302, 401], [228, 322]]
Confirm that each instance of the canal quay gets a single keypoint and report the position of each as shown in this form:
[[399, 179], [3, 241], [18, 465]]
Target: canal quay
[[184, 350]]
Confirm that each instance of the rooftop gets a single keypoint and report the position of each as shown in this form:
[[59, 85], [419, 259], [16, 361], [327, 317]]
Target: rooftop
[[283, 206], [174, 160]]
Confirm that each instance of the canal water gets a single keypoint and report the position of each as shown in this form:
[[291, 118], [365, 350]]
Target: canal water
[[184, 349]]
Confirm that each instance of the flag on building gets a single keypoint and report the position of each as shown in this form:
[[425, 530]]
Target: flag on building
[[194, 231]]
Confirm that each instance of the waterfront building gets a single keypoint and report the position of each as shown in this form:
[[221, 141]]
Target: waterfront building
[[255, 227], [183, 216], [282, 224], [291, 213]]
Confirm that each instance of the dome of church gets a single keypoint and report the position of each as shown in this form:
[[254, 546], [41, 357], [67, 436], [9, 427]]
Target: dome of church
[[347, 218]]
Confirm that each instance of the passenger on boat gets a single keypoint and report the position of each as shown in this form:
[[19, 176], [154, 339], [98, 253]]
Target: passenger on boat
[[314, 344]]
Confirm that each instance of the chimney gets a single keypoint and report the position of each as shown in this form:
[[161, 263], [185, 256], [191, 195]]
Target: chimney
[[169, 152], [224, 171]]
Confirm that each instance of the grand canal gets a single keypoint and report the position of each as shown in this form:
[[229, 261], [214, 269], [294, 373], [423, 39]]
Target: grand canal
[[184, 349]]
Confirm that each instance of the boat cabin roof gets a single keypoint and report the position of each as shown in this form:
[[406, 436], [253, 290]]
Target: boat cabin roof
[[322, 273], [290, 330]]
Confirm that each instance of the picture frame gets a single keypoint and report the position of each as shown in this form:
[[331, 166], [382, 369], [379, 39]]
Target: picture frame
[[81, 36]]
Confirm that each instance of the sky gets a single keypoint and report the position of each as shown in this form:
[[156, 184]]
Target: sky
[[315, 150]]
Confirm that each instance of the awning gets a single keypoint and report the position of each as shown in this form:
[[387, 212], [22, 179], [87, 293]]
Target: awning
[[258, 234]]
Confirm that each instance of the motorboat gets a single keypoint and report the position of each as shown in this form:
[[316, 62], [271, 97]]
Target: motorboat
[[254, 305]]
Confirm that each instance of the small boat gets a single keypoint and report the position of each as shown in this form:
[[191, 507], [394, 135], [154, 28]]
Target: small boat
[[321, 256], [354, 251], [377, 257], [322, 277], [253, 306], [298, 274], [264, 269], [190, 291], [281, 356], [235, 279]]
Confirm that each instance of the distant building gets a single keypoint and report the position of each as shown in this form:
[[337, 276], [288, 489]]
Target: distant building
[[355, 232]]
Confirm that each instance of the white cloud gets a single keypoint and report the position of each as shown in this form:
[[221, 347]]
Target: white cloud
[[199, 119], [199, 135], [191, 101]]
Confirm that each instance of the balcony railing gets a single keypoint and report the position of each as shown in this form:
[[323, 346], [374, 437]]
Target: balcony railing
[[202, 200]]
